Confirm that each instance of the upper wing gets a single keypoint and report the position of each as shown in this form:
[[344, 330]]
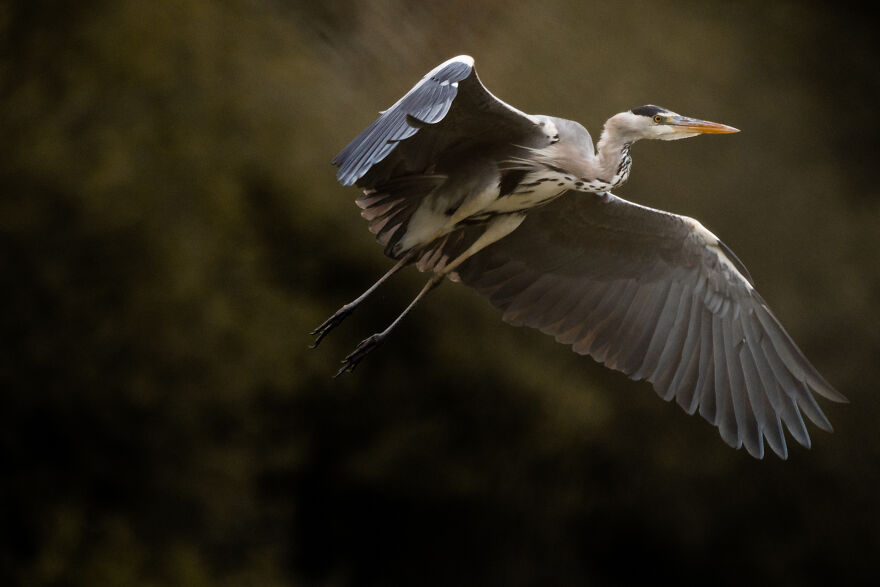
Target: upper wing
[[449, 106], [657, 296]]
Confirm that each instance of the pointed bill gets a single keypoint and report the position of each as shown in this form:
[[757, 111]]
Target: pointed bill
[[683, 124]]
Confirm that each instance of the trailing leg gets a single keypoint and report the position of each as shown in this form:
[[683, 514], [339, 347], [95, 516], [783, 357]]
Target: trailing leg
[[371, 342], [333, 321], [496, 229]]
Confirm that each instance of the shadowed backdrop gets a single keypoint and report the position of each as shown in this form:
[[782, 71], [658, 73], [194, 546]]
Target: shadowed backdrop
[[171, 230]]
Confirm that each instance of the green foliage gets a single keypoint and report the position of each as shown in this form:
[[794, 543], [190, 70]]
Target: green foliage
[[170, 230]]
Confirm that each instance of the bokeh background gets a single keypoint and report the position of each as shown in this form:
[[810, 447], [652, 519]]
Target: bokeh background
[[171, 230]]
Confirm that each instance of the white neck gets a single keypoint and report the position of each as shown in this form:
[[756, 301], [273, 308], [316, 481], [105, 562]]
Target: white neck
[[612, 157]]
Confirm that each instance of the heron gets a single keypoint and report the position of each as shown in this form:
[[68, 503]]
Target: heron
[[519, 207]]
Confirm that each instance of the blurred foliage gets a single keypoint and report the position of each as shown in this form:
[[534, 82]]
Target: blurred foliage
[[170, 230]]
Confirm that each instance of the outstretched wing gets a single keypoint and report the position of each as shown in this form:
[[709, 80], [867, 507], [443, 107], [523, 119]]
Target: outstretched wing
[[659, 297], [448, 108]]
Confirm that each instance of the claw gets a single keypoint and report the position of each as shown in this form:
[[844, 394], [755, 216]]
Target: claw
[[329, 324], [365, 346]]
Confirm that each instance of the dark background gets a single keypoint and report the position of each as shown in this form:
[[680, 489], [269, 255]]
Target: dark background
[[171, 230]]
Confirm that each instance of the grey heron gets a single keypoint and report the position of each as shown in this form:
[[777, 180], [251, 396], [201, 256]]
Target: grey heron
[[519, 207]]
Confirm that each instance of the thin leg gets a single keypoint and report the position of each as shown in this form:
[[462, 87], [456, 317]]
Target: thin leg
[[495, 230], [336, 319], [371, 342]]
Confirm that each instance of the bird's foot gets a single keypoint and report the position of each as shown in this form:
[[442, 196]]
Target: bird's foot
[[360, 351], [329, 324]]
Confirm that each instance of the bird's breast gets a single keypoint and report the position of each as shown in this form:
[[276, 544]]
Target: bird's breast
[[534, 189], [542, 186]]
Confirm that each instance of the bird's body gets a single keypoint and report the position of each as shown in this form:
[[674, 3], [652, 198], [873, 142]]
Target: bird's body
[[519, 207]]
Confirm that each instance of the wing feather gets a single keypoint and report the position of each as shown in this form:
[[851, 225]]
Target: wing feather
[[659, 297], [448, 107], [663, 333], [726, 417], [704, 397], [675, 346]]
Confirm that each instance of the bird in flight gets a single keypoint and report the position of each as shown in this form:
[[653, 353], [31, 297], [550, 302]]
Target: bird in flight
[[519, 207]]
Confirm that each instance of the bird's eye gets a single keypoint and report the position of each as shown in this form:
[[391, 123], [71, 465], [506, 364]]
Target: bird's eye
[[658, 118]]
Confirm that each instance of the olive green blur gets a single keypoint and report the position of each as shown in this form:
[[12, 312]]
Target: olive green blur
[[171, 230]]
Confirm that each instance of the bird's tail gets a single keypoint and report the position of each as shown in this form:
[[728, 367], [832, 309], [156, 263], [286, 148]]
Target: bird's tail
[[390, 205], [437, 254]]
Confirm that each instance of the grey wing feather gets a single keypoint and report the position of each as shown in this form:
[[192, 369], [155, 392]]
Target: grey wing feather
[[658, 297], [447, 107]]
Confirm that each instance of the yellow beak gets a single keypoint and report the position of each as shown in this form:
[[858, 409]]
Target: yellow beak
[[683, 124]]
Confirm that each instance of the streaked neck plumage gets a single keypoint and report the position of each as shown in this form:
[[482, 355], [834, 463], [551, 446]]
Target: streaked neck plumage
[[612, 160], [584, 168]]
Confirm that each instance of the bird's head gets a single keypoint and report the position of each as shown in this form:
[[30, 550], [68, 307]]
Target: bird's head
[[654, 122]]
